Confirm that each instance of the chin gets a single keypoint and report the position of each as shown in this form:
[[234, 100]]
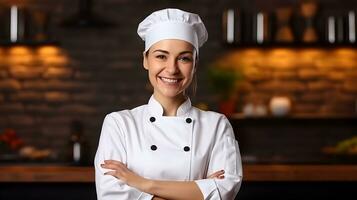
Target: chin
[[171, 94]]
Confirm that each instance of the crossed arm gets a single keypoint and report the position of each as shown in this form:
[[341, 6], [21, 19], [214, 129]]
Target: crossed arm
[[160, 189]]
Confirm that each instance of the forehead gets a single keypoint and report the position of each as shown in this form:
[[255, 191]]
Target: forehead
[[172, 45]]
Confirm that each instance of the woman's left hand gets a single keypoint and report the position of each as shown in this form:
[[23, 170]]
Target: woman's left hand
[[121, 172], [218, 174]]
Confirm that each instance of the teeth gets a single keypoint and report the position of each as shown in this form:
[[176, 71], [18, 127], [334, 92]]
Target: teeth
[[169, 80]]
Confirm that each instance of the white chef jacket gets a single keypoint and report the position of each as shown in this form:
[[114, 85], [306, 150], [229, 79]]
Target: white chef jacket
[[186, 147]]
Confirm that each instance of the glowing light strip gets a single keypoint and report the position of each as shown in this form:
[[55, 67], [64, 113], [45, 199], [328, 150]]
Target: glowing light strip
[[331, 29], [230, 26], [352, 26], [260, 27], [13, 23]]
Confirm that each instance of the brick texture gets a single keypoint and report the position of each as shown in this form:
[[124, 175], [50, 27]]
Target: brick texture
[[320, 81], [94, 71]]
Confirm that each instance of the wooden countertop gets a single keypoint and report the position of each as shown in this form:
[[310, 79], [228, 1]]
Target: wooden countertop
[[300, 172], [251, 172], [50, 173]]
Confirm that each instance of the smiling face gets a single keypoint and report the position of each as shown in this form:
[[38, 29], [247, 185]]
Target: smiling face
[[171, 66]]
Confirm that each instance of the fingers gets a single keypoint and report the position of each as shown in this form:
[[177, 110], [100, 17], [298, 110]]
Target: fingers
[[113, 164], [119, 169], [218, 174], [113, 173], [221, 177]]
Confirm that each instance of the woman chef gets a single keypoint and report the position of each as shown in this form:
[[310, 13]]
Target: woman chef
[[168, 149]]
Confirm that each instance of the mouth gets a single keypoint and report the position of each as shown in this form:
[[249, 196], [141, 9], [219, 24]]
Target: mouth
[[170, 81]]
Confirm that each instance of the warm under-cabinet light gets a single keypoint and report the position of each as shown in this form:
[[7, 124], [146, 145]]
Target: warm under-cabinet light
[[48, 50], [19, 50]]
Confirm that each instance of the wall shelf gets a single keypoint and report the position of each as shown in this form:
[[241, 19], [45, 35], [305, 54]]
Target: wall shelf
[[296, 45], [29, 43], [300, 116], [296, 119]]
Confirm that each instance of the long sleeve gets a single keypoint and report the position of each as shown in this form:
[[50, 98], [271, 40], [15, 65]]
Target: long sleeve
[[112, 146], [225, 155]]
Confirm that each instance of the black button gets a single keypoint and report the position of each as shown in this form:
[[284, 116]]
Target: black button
[[186, 148], [152, 119], [153, 147], [188, 120]]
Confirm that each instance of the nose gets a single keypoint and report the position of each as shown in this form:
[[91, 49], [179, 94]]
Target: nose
[[172, 66]]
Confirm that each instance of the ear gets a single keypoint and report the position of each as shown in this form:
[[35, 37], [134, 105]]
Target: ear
[[145, 62]]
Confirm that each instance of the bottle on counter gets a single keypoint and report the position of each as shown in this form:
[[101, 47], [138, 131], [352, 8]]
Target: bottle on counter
[[76, 143]]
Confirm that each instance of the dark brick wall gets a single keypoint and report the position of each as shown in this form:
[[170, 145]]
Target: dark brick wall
[[319, 81], [95, 71]]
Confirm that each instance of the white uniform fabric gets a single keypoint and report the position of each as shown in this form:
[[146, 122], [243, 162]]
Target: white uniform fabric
[[189, 146], [172, 23]]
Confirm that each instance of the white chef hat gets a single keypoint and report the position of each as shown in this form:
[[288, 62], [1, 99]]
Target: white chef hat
[[173, 24]]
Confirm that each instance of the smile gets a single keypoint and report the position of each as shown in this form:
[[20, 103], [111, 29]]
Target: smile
[[170, 80]]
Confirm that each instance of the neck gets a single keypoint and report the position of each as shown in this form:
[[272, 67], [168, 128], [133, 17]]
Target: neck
[[170, 105]]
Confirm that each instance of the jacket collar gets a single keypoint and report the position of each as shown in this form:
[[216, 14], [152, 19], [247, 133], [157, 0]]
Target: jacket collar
[[156, 108]]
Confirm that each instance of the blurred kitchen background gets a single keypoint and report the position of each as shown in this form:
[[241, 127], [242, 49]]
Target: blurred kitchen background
[[283, 71]]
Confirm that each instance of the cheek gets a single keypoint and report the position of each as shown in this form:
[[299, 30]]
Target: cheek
[[152, 74], [151, 69], [189, 71], [154, 67]]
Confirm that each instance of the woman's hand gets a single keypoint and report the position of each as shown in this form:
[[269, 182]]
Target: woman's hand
[[218, 174], [121, 172]]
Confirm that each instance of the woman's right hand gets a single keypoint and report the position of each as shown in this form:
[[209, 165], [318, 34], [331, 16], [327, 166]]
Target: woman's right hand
[[218, 174]]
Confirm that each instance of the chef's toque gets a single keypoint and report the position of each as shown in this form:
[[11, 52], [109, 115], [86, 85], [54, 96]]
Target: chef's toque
[[173, 24]]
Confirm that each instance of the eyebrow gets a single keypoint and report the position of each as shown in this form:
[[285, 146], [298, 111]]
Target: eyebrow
[[166, 52]]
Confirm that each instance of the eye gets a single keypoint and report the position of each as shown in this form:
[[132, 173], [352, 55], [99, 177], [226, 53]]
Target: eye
[[185, 59], [161, 57]]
